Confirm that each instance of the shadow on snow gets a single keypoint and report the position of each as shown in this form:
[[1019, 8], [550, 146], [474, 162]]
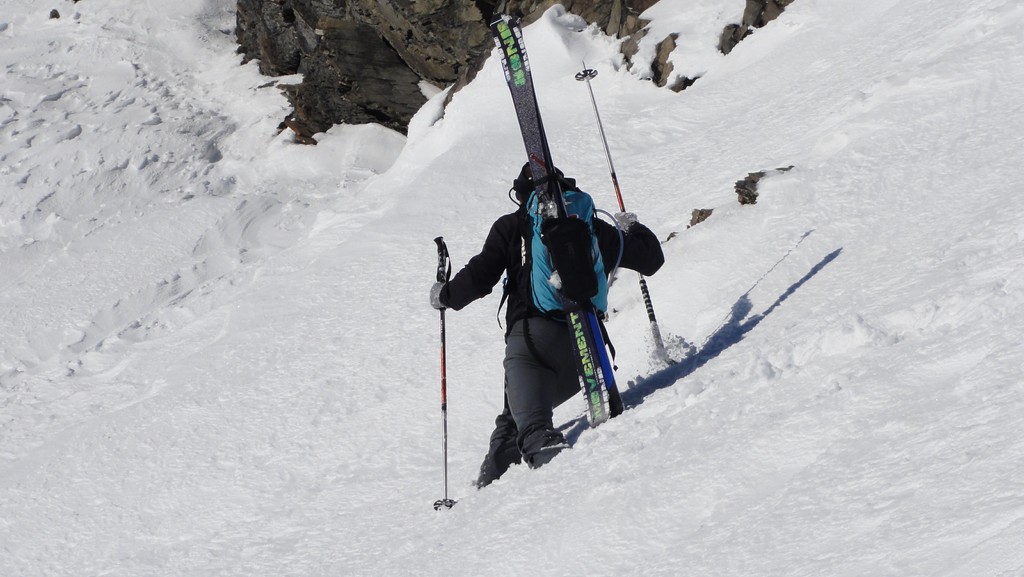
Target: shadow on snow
[[732, 331]]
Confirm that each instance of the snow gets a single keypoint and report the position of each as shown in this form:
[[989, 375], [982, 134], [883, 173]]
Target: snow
[[217, 356]]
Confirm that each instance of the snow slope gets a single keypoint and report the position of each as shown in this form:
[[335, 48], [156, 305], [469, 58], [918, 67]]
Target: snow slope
[[216, 356]]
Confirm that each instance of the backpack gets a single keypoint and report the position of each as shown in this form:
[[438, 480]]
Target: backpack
[[565, 260]]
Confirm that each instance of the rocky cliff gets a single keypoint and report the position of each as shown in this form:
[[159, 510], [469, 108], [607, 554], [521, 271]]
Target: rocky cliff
[[364, 60], [756, 14]]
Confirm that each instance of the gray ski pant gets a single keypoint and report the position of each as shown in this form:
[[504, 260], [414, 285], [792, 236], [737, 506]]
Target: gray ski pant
[[540, 375]]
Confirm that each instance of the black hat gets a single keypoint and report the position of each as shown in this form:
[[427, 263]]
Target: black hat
[[523, 184]]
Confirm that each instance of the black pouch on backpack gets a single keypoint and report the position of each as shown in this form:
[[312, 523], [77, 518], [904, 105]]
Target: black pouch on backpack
[[571, 247]]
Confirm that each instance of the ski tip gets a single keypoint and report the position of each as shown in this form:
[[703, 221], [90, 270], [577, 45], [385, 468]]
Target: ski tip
[[500, 12], [444, 504]]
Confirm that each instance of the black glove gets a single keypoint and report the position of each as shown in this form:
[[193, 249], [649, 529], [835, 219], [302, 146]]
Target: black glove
[[435, 296]]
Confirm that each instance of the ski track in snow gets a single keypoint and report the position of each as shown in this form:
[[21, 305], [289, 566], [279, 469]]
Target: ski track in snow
[[217, 357]]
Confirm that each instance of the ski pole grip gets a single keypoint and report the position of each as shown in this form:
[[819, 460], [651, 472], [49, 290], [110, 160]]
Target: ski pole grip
[[444, 263]]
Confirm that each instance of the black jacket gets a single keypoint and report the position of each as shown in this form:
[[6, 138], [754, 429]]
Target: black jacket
[[504, 252]]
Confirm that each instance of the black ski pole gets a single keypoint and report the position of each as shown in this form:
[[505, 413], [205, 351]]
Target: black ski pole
[[585, 75], [444, 272]]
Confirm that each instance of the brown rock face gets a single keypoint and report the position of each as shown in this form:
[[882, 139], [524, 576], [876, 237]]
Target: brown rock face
[[359, 63], [362, 61], [757, 14]]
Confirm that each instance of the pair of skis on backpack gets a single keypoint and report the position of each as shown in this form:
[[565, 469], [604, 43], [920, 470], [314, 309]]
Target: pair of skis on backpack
[[565, 237]]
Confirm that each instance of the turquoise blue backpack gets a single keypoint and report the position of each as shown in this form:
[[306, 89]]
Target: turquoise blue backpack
[[568, 244]]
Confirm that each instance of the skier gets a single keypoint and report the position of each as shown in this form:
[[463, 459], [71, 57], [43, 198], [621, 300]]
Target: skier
[[540, 373]]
